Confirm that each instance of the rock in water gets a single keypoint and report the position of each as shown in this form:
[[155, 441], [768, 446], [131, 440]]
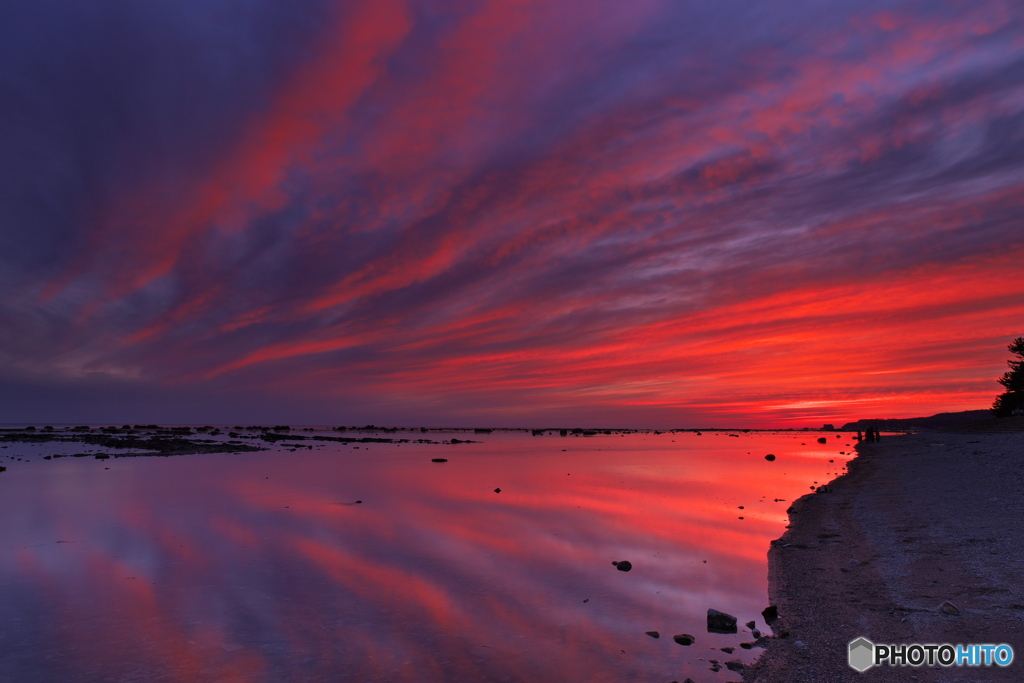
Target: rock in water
[[623, 565], [497, 490], [439, 460], [734, 665], [751, 624], [770, 614], [770, 457], [720, 622], [949, 608], [684, 639], [653, 634]]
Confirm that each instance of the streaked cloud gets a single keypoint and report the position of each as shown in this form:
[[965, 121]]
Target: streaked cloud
[[652, 213]]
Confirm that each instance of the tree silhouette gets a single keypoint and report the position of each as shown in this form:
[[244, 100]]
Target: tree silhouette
[[1011, 401]]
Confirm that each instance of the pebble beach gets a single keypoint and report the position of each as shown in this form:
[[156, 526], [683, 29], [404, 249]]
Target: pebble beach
[[920, 542]]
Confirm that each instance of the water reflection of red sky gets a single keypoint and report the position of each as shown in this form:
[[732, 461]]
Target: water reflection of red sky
[[261, 567]]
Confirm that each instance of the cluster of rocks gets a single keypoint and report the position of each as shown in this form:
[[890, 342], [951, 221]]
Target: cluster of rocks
[[724, 623], [721, 623], [130, 441], [164, 442]]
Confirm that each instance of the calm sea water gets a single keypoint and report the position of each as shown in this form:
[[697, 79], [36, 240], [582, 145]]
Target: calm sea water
[[262, 566]]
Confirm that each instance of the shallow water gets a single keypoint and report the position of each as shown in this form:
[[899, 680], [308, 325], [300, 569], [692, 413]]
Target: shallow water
[[262, 566]]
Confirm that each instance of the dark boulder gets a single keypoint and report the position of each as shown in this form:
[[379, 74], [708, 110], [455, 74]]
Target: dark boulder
[[720, 622], [770, 614], [653, 634], [439, 460], [623, 565], [770, 457], [684, 639]]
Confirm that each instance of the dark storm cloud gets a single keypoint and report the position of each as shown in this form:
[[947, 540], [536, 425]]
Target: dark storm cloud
[[98, 96]]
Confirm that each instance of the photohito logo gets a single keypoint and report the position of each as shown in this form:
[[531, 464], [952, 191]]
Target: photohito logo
[[864, 654]]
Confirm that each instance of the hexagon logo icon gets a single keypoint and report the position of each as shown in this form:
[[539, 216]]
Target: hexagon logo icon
[[862, 654]]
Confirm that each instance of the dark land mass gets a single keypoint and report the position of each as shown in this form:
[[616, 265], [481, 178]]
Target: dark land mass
[[918, 521], [938, 422]]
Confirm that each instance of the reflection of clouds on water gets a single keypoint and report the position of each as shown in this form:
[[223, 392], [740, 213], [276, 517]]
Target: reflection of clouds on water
[[261, 567]]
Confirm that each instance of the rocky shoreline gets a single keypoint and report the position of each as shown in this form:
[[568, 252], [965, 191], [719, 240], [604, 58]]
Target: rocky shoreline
[[918, 521], [132, 441]]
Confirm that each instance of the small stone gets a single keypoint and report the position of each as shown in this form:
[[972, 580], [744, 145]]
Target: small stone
[[949, 608], [497, 490], [800, 644], [684, 639], [770, 614], [623, 565], [734, 665], [720, 622], [439, 460], [822, 440], [751, 624], [755, 633], [653, 634], [770, 457], [727, 650]]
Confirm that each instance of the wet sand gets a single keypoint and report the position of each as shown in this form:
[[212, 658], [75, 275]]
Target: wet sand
[[918, 520]]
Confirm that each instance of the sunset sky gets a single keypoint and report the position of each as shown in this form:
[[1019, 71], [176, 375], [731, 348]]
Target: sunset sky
[[508, 212]]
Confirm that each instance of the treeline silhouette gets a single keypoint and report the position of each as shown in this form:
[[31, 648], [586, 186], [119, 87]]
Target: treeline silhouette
[[1011, 401]]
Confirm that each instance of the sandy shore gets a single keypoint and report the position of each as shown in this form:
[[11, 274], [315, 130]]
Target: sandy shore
[[918, 520]]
